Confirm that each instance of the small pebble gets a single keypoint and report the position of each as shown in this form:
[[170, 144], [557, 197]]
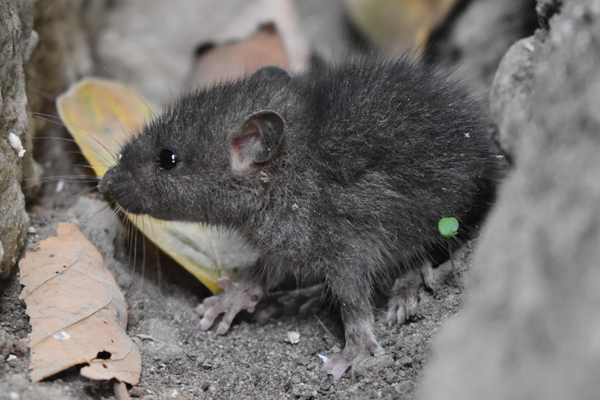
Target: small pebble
[[293, 337]]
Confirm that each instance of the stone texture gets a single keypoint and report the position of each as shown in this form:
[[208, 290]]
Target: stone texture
[[476, 36], [510, 96], [14, 15], [530, 326], [546, 9], [67, 30]]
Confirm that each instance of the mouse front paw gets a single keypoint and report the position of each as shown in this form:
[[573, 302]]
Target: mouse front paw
[[235, 298]]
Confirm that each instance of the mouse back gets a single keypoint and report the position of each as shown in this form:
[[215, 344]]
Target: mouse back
[[368, 147]]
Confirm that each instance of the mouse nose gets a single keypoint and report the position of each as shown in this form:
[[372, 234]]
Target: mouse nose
[[105, 183], [114, 185]]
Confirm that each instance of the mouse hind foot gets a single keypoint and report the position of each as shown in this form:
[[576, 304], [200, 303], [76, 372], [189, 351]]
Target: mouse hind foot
[[404, 299], [353, 299], [360, 345]]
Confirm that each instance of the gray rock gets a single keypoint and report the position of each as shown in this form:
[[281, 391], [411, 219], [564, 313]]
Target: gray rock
[[546, 9], [66, 29], [475, 41], [530, 327], [13, 120], [510, 96]]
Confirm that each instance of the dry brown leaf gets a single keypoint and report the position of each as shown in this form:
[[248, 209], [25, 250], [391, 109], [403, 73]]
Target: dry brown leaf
[[77, 312], [236, 60], [265, 33]]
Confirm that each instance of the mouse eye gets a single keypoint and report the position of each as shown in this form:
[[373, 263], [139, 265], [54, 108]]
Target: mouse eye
[[167, 159]]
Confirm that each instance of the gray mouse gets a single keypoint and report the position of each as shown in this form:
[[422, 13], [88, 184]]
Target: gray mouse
[[338, 176]]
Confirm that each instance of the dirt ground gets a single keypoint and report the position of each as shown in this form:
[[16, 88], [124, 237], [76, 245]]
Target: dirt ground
[[254, 360]]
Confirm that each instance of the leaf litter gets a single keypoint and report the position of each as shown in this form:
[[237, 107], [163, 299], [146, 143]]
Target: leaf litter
[[77, 313]]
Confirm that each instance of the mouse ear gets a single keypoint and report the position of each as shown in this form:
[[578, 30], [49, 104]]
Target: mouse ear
[[257, 141], [271, 74]]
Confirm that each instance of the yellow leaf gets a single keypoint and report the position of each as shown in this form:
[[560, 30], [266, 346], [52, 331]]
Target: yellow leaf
[[77, 311], [399, 25], [101, 115]]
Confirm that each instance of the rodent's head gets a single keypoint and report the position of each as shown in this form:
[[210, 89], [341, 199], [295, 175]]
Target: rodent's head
[[209, 157]]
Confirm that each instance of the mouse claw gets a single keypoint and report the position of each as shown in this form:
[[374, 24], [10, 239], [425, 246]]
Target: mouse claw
[[205, 324]]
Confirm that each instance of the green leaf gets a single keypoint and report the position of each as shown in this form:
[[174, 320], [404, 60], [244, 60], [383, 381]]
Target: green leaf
[[448, 227]]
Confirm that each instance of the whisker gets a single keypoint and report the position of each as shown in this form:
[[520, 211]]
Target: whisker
[[143, 255], [324, 327], [84, 166], [132, 90], [70, 140], [45, 95], [53, 119], [86, 190], [46, 117], [158, 269], [102, 209], [41, 182], [133, 246], [66, 178], [101, 156]]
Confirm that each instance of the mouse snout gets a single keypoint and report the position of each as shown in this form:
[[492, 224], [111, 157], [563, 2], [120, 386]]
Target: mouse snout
[[105, 184], [124, 191]]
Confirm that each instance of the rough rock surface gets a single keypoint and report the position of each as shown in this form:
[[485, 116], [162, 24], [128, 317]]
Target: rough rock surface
[[546, 9], [13, 119], [462, 45], [67, 31], [530, 329], [510, 96]]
